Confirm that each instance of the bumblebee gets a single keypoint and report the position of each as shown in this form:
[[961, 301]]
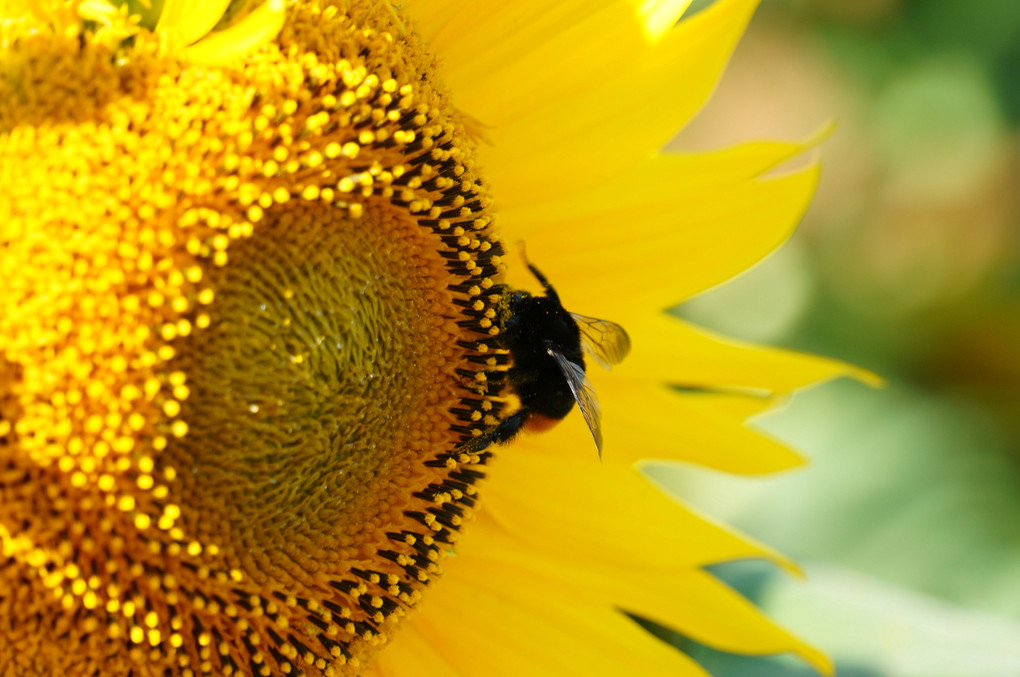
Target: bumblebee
[[547, 346]]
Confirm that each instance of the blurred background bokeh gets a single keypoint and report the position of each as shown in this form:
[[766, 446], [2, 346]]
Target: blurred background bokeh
[[907, 521]]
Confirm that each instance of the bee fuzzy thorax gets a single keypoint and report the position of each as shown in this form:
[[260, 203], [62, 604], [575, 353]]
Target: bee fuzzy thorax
[[547, 345]]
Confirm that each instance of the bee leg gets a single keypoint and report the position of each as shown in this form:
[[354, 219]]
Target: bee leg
[[504, 432]]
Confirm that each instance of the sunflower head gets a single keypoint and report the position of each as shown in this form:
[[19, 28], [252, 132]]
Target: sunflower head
[[257, 342], [245, 331]]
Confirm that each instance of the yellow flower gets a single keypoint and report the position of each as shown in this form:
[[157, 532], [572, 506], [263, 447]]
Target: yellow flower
[[250, 321]]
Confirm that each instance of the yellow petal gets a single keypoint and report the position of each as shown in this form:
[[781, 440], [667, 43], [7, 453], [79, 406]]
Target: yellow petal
[[669, 350], [250, 33], [493, 620], [411, 653], [699, 606], [478, 40], [567, 89], [188, 20], [670, 181], [441, 22], [646, 421], [624, 519], [694, 603], [735, 406], [577, 108], [659, 16], [681, 251]]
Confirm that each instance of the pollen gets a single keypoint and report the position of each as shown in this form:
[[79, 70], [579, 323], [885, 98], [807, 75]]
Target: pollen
[[243, 340]]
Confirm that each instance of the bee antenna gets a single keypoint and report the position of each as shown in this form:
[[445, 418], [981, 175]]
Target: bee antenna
[[549, 290]]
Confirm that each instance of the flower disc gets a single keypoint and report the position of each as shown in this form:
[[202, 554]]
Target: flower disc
[[246, 326]]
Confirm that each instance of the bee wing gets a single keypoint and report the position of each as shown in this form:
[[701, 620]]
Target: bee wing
[[584, 394], [606, 342]]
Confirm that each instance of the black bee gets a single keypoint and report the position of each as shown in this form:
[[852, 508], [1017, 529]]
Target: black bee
[[547, 345]]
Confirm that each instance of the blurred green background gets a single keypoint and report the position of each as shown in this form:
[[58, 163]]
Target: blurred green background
[[907, 520]]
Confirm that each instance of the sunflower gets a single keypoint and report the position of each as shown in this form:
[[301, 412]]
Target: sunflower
[[254, 280]]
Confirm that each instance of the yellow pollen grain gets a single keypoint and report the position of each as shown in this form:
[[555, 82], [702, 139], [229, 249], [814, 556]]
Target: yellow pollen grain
[[313, 159], [179, 305]]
